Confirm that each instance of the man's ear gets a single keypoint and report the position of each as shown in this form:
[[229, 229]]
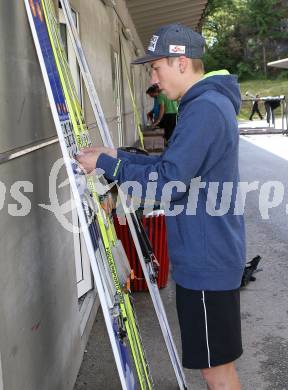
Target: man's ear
[[183, 63]]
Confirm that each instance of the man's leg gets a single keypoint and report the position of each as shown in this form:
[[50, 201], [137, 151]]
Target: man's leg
[[259, 113], [252, 114], [210, 325], [268, 112], [222, 377]]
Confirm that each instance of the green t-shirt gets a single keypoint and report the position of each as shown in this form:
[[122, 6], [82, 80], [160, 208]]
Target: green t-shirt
[[170, 106]]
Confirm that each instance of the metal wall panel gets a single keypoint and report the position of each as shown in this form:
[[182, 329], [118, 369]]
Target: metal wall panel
[[40, 322], [24, 109]]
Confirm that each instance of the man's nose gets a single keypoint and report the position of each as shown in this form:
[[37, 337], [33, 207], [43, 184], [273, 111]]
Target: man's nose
[[154, 79]]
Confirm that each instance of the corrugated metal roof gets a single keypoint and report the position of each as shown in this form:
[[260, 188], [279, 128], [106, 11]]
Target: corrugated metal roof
[[148, 15]]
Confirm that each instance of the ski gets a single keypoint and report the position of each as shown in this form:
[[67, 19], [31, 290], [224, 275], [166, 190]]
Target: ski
[[144, 250], [72, 132], [108, 234]]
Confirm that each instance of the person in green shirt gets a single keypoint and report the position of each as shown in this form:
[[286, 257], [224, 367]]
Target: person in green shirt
[[167, 117]]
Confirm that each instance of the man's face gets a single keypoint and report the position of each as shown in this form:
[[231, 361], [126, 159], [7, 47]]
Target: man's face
[[166, 76]]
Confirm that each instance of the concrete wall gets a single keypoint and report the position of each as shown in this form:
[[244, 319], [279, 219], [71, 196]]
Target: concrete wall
[[41, 345], [39, 326]]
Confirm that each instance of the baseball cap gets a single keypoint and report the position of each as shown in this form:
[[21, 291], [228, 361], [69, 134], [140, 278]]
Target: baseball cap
[[173, 40]]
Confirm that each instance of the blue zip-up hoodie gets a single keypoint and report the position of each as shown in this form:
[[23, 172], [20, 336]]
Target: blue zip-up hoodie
[[207, 251]]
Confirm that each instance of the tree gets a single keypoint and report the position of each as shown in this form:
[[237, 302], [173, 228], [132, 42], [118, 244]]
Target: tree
[[242, 35], [263, 18], [224, 48]]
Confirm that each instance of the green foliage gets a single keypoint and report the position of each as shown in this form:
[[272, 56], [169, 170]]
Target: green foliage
[[244, 71], [242, 35], [283, 75], [263, 17], [265, 87]]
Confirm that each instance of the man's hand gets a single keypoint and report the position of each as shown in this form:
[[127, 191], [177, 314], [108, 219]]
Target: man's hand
[[88, 157]]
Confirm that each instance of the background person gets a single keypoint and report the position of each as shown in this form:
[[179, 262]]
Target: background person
[[153, 92], [164, 112], [255, 108], [270, 105], [167, 117]]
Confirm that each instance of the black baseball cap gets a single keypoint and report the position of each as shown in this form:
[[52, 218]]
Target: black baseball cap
[[173, 40]]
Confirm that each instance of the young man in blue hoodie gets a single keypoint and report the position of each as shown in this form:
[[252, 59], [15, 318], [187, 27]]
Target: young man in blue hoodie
[[206, 243]]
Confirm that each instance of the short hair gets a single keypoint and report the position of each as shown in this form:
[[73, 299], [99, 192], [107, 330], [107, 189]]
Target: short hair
[[153, 89], [197, 64]]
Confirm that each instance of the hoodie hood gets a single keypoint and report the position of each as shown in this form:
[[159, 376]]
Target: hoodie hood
[[220, 81]]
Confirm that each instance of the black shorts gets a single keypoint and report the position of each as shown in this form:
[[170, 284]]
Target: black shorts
[[210, 327]]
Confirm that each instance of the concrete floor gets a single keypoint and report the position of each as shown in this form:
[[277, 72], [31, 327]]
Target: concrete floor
[[264, 364]]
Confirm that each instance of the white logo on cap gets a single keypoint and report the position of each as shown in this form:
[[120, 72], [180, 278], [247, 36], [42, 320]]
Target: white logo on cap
[[153, 42], [177, 49]]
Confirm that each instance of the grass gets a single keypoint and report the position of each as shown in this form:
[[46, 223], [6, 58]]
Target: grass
[[263, 88]]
